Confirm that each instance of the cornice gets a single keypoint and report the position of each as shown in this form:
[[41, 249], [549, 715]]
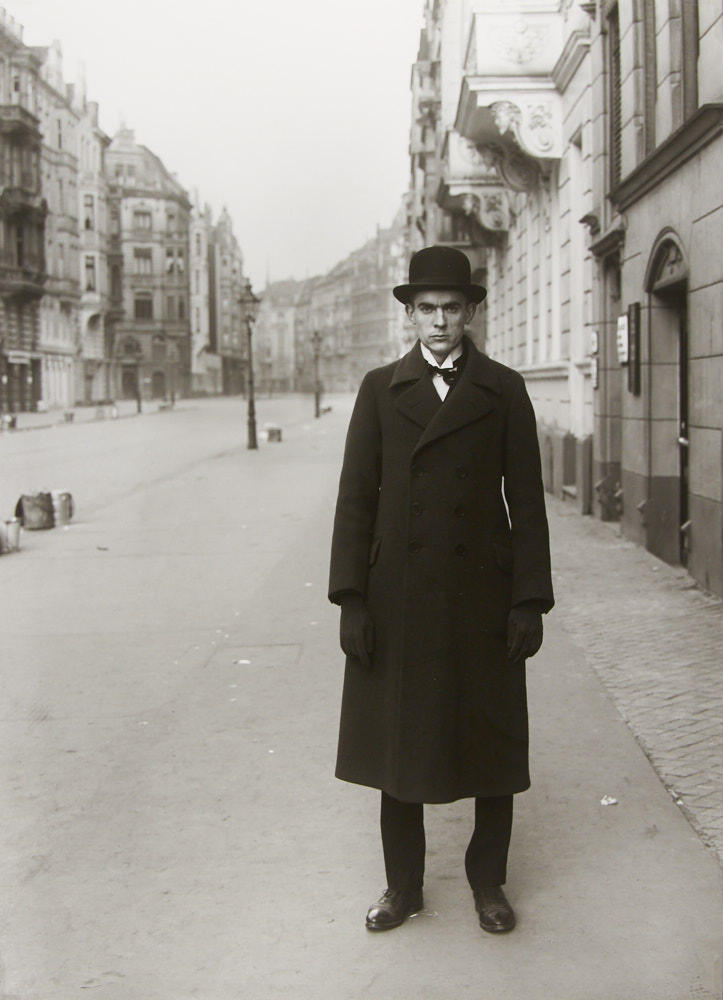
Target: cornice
[[699, 131], [576, 48]]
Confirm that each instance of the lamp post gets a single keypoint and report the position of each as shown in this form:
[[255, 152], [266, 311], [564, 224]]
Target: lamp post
[[316, 345], [249, 304]]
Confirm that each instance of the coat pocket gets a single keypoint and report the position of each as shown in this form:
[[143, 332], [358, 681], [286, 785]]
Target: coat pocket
[[374, 551], [503, 556]]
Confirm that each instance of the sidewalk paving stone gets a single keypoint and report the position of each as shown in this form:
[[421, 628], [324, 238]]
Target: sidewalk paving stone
[[654, 639]]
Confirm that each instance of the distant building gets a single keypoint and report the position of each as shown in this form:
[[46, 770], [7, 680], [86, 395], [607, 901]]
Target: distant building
[[274, 341], [359, 323], [93, 364], [59, 338], [23, 212], [206, 373], [227, 329], [150, 214]]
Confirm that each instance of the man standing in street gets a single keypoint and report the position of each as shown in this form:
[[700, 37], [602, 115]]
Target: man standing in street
[[440, 562]]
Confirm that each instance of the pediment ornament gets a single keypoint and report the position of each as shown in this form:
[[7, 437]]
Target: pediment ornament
[[519, 42]]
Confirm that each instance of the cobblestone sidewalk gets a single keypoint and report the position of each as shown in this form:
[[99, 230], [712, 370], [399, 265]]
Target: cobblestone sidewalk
[[654, 639]]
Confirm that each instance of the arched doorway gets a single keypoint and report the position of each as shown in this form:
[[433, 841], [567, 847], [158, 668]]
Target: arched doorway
[[158, 385], [667, 513]]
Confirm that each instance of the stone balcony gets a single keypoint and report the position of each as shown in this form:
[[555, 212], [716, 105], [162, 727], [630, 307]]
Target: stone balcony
[[15, 118], [509, 102], [470, 186]]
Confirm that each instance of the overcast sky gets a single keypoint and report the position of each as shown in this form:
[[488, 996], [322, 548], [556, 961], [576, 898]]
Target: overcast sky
[[294, 113]]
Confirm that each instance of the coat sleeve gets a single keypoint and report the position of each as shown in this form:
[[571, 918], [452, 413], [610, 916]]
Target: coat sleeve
[[524, 493], [356, 506]]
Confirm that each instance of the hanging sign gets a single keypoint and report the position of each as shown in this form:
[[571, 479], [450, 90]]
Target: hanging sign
[[634, 348], [622, 339]]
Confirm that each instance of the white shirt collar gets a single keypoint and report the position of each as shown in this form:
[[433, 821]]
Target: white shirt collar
[[455, 353]]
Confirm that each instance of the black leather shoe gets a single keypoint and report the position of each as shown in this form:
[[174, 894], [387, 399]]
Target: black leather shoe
[[495, 913], [393, 907]]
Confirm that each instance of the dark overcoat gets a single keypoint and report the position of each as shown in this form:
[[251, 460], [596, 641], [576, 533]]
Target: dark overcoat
[[422, 531]]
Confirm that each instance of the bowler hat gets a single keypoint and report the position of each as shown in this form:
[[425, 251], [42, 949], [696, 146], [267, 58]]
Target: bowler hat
[[439, 267]]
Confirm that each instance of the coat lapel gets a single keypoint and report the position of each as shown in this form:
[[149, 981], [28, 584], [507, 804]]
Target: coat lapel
[[419, 401], [473, 397]]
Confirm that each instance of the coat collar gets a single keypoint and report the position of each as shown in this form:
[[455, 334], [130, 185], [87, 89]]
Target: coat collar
[[471, 398]]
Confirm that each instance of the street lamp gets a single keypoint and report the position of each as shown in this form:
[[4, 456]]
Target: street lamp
[[249, 304], [316, 345]]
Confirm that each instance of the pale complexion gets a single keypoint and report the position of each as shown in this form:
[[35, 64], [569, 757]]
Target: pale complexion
[[439, 317]]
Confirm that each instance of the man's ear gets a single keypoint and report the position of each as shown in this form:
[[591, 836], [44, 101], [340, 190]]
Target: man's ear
[[409, 309]]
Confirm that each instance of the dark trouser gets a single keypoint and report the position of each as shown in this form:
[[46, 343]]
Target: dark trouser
[[403, 841]]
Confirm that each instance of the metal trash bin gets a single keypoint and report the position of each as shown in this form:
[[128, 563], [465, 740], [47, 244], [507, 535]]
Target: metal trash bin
[[35, 511], [9, 535], [273, 433], [63, 506]]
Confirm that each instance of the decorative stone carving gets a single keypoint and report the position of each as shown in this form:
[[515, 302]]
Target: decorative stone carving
[[469, 152], [532, 126], [471, 187], [520, 41], [519, 172]]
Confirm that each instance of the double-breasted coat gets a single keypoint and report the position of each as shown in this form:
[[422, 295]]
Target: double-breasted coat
[[422, 531]]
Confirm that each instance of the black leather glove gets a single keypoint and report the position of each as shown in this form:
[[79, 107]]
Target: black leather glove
[[356, 631], [524, 633]]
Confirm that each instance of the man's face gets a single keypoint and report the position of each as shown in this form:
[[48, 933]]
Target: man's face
[[439, 318]]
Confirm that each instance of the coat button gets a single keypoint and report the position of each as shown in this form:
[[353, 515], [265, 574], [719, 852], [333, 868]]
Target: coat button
[[460, 550], [414, 545], [416, 508], [461, 472], [459, 510]]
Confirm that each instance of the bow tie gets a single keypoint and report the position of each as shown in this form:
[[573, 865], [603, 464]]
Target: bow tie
[[450, 375]]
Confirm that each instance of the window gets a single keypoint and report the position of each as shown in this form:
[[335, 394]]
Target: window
[[60, 134], [650, 74], [114, 222], [89, 211], [90, 285], [689, 12], [196, 282], [61, 196], [116, 289], [61, 260], [170, 260], [180, 261], [158, 348], [143, 260], [171, 222], [198, 320], [143, 306], [181, 307], [198, 244], [614, 98], [142, 219], [170, 307], [119, 170]]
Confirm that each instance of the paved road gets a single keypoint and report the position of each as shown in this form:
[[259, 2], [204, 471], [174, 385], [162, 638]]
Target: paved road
[[172, 830]]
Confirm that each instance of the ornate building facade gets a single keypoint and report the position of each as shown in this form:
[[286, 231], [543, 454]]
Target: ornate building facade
[[93, 364], [227, 329], [654, 233], [150, 214], [59, 340], [23, 213], [274, 340], [206, 374], [571, 149]]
